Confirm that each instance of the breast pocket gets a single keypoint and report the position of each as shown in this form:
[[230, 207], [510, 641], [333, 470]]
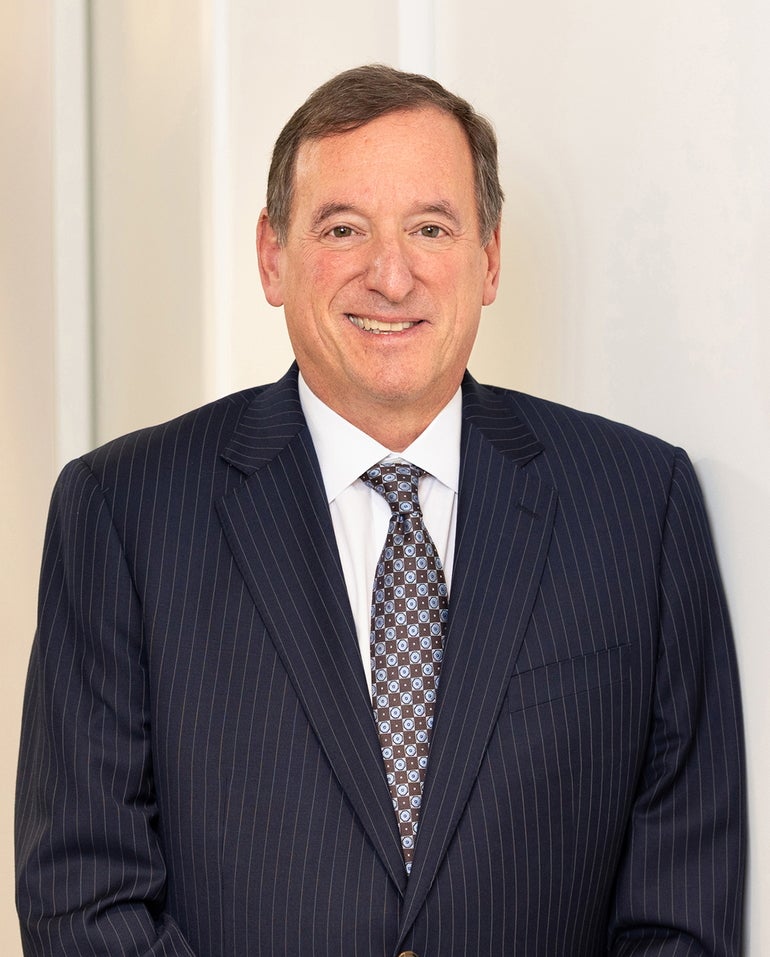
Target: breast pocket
[[567, 677]]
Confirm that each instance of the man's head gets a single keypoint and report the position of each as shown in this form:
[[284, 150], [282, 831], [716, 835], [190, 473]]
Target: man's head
[[356, 97], [376, 248]]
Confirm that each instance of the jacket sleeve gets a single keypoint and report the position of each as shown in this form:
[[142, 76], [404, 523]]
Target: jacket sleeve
[[90, 871], [680, 884]]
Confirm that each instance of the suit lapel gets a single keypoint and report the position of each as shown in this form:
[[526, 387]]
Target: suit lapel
[[504, 526], [279, 528]]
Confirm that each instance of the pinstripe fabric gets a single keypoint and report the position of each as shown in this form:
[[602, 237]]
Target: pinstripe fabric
[[200, 772]]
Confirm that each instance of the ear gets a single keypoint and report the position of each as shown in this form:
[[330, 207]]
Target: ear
[[269, 252], [492, 252]]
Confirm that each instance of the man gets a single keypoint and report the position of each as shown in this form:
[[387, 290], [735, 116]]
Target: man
[[231, 745]]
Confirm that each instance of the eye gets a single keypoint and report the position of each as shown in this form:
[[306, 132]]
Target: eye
[[340, 232], [431, 231]]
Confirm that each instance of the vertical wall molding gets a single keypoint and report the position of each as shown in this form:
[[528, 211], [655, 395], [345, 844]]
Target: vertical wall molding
[[73, 306], [217, 198]]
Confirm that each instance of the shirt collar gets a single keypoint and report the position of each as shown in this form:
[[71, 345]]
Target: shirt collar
[[345, 452]]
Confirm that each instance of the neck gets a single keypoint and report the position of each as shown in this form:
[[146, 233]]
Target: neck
[[395, 436], [391, 426], [395, 429], [393, 423]]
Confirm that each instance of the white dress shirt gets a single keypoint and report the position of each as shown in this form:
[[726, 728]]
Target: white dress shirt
[[361, 516]]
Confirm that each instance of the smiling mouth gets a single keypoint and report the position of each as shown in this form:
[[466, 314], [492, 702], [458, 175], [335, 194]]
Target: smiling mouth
[[378, 327]]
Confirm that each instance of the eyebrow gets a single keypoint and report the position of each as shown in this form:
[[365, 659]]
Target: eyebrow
[[441, 208], [331, 209]]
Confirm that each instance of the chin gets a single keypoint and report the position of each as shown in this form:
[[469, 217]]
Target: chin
[[399, 390]]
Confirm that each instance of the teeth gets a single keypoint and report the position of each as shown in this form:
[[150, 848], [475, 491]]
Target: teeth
[[374, 325]]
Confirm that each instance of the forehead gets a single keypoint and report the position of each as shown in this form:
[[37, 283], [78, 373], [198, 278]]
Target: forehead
[[402, 152]]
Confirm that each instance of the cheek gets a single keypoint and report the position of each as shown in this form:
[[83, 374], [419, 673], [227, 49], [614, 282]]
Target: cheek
[[306, 295], [462, 278], [326, 274]]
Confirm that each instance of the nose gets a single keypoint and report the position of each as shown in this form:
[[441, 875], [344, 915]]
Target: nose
[[389, 270]]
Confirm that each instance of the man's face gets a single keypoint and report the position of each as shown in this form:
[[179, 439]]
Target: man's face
[[383, 274]]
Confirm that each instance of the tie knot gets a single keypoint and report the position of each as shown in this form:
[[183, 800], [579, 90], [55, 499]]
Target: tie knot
[[397, 483]]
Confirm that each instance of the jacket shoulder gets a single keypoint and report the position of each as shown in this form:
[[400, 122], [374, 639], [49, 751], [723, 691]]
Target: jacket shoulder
[[557, 425], [191, 433]]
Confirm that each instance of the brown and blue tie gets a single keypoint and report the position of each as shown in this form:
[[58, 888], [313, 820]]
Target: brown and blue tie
[[410, 608]]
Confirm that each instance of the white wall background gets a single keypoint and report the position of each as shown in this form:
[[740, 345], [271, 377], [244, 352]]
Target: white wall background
[[635, 149], [27, 399]]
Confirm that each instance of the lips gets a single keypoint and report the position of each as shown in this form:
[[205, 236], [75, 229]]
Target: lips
[[378, 326]]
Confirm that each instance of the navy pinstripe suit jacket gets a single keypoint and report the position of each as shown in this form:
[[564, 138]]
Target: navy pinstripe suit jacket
[[200, 772]]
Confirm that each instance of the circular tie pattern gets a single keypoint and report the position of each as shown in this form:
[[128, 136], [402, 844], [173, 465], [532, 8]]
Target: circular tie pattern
[[410, 609]]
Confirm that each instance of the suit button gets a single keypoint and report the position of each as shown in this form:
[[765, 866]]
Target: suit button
[[408, 953]]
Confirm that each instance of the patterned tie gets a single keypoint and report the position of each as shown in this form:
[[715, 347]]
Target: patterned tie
[[409, 615]]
